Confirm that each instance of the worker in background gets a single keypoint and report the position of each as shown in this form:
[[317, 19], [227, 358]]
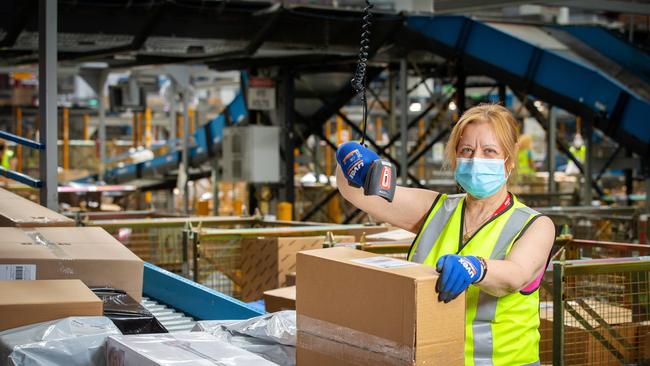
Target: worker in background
[[8, 162], [578, 150], [525, 162], [485, 241]]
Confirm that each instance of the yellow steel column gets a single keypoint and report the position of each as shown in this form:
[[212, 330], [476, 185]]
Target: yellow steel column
[[192, 115], [19, 132], [147, 128], [140, 132], [86, 121], [66, 138], [339, 130], [423, 158], [179, 126]]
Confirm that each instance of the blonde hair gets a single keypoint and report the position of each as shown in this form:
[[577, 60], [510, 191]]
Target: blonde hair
[[502, 121]]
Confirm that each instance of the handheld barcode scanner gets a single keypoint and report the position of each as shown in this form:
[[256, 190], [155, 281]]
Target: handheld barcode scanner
[[380, 180]]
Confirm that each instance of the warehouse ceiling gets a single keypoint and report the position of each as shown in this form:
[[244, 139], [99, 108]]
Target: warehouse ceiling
[[222, 34]]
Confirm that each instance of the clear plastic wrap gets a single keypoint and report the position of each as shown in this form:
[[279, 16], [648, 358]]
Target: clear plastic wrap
[[272, 336], [198, 348], [70, 341]]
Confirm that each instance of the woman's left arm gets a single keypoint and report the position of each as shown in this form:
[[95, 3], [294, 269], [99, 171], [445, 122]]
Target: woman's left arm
[[525, 262]]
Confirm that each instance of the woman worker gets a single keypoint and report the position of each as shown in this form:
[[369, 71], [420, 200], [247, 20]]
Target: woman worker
[[484, 241]]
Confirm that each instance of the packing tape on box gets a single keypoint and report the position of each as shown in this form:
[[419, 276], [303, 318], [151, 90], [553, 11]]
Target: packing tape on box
[[41, 220], [345, 352], [328, 335], [55, 248]]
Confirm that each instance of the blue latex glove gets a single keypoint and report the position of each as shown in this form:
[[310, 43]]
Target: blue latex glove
[[456, 274], [355, 160]]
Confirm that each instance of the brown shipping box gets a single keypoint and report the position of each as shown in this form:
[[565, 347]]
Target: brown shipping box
[[358, 308], [16, 211], [267, 261], [283, 298], [89, 254], [29, 302]]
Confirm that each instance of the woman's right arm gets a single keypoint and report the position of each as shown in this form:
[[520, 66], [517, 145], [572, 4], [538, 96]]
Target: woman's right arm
[[407, 211]]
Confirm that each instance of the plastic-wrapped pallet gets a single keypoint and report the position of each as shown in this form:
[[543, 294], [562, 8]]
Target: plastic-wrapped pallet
[[73, 341], [272, 336], [198, 348]]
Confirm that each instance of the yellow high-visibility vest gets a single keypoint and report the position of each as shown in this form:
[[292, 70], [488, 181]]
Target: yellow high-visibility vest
[[498, 330], [6, 159], [524, 162]]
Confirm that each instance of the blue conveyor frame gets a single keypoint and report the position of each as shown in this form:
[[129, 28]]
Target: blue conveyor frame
[[613, 47], [191, 298], [532, 70], [206, 142]]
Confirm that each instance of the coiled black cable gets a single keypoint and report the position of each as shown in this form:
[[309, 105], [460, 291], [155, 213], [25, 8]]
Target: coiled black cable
[[359, 79]]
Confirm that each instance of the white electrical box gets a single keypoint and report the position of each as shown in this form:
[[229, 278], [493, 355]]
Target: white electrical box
[[251, 154]]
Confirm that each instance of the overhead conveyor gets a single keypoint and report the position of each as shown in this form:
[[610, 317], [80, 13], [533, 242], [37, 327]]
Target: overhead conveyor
[[628, 56], [531, 69], [206, 142]]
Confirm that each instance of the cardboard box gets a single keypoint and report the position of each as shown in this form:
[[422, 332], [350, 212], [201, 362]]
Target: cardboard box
[[29, 302], [267, 261], [283, 298], [16, 211], [367, 230], [291, 279], [196, 348], [358, 308], [644, 348], [392, 235], [86, 253]]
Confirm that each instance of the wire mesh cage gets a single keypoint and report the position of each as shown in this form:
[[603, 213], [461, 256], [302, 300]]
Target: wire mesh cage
[[225, 260], [596, 312]]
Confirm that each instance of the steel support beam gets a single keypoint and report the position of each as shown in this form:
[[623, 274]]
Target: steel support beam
[[47, 106], [101, 132], [551, 147], [173, 132], [588, 164], [285, 119], [403, 125], [502, 93], [186, 149]]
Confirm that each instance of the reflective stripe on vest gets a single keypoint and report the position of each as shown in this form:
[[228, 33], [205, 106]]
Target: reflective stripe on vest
[[487, 304], [430, 229]]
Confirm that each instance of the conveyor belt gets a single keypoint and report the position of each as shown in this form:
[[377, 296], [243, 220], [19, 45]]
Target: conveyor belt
[[533, 62], [172, 320]]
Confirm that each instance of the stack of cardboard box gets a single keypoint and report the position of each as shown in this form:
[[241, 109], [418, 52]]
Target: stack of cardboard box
[[47, 265]]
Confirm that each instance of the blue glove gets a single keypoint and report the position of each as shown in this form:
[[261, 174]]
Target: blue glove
[[355, 160], [456, 274]]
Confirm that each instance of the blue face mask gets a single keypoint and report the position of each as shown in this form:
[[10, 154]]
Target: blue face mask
[[480, 177]]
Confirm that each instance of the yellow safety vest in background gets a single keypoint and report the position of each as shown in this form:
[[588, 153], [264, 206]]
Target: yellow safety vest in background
[[524, 162], [6, 159], [580, 153], [498, 330]]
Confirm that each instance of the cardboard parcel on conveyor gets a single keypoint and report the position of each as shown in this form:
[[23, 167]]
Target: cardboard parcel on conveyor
[[89, 254], [359, 308]]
